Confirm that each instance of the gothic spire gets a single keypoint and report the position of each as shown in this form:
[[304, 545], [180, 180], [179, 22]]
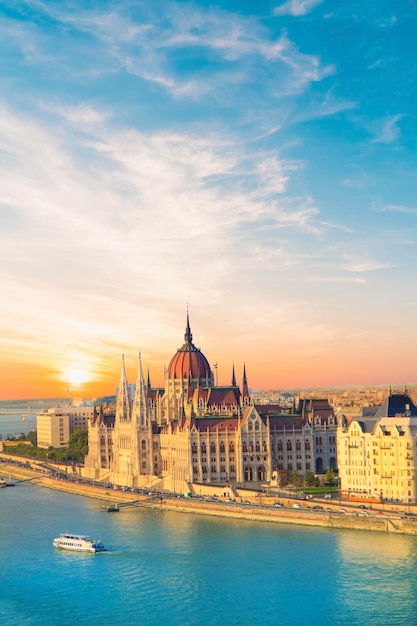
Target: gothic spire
[[94, 418], [233, 376], [245, 388], [188, 336], [140, 405], [123, 403]]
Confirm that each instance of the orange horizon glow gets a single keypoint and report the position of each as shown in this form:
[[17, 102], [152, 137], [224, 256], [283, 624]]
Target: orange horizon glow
[[36, 381]]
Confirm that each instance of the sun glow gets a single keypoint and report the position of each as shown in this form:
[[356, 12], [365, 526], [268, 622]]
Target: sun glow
[[76, 376]]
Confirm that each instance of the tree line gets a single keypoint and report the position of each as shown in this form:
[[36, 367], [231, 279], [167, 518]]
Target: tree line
[[75, 452]]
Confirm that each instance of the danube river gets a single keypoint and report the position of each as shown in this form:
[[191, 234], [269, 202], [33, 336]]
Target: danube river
[[166, 568], [13, 422]]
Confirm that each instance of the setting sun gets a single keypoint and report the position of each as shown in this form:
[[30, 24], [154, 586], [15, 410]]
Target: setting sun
[[76, 376]]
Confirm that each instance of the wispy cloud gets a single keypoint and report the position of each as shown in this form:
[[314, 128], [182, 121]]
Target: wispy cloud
[[153, 49], [131, 196], [365, 265], [394, 208], [327, 106], [81, 115], [388, 130], [296, 7]]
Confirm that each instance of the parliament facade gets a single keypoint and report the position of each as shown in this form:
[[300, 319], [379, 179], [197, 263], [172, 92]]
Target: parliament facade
[[192, 432]]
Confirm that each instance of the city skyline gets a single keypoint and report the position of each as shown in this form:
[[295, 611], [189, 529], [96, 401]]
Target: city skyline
[[254, 164]]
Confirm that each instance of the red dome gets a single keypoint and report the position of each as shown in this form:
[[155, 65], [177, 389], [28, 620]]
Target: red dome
[[189, 361]]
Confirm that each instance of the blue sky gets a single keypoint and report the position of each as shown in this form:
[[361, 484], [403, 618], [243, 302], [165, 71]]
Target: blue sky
[[255, 160]]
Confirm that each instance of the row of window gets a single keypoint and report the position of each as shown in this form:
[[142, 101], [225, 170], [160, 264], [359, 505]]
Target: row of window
[[289, 445], [212, 459], [213, 469], [222, 448], [289, 466]]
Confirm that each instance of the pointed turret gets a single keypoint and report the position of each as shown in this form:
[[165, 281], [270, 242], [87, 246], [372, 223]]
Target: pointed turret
[[140, 404], [149, 392], [245, 388], [94, 418], [123, 403], [188, 337], [233, 376]]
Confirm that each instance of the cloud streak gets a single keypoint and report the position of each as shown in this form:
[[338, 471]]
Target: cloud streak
[[296, 7], [388, 130]]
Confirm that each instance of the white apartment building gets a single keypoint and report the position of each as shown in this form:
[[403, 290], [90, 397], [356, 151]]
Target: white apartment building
[[377, 456], [55, 426]]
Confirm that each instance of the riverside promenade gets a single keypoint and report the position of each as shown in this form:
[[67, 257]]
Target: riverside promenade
[[260, 509]]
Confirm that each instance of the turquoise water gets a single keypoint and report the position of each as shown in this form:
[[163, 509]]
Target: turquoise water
[[176, 568]]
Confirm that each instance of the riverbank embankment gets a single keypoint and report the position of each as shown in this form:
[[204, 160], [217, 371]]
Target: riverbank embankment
[[335, 517]]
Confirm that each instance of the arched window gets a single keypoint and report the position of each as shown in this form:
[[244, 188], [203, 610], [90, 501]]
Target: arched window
[[248, 474], [213, 448], [261, 473], [203, 448], [231, 447], [319, 466], [143, 444]]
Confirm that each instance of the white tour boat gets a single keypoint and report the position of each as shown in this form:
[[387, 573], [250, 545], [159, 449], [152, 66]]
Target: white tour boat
[[79, 543]]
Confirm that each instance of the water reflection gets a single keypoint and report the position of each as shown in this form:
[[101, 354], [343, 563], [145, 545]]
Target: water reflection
[[375, 577], [361, 545]]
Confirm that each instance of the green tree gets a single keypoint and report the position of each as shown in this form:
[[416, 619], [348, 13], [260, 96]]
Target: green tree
[[295, 479], [311, 480], [330, 479], [32, 436], [78, 441]]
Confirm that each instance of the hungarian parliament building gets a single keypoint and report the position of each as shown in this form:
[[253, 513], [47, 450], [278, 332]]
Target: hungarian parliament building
[[192, 432]]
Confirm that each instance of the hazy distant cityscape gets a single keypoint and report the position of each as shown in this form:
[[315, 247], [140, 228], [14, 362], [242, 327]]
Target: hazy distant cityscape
[[339, 397]]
